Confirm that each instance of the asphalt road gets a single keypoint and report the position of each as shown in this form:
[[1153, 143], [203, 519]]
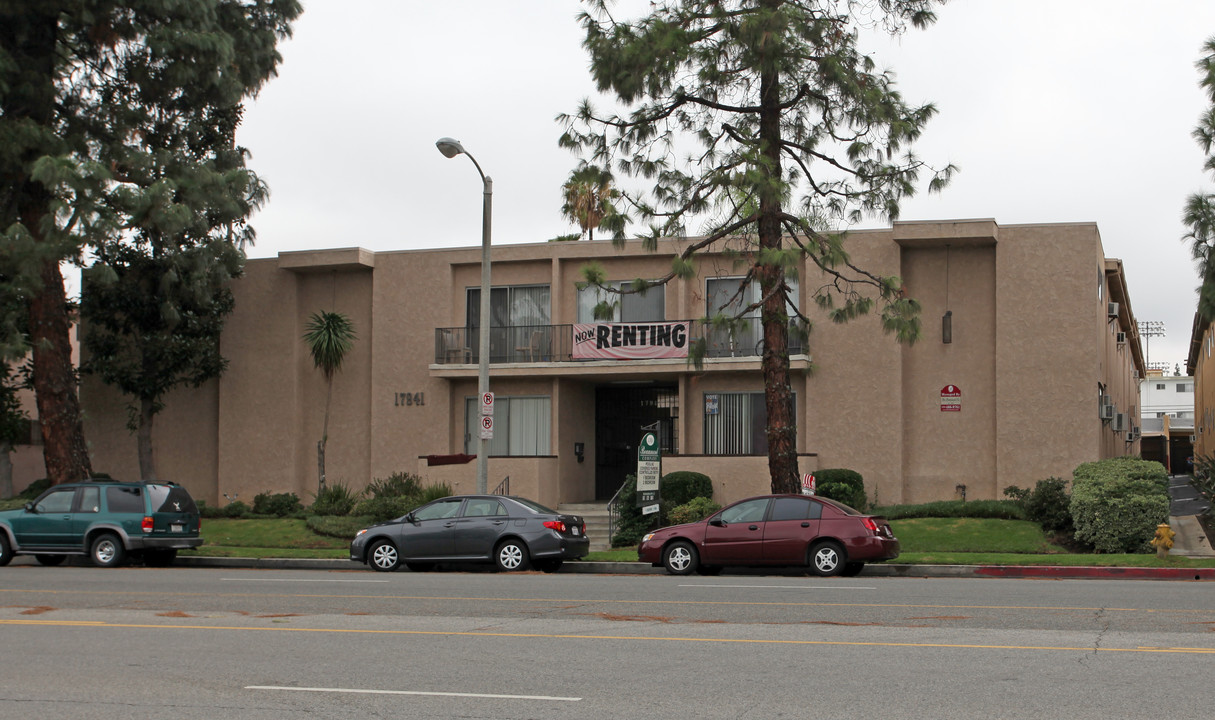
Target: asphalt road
[[82, 642]]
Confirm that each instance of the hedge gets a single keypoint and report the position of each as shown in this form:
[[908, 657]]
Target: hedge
[[1117, 503]]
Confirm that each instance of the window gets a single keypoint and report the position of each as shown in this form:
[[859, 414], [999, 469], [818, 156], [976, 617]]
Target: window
[[1159, 386], [745, 512], [124, 500], [522, 426], [438, 509], [722, 296], [735, 423], [483, 508], [633, 307], [59, 501], [520, 322], [1185, 387], [795, 509], [90, 500]]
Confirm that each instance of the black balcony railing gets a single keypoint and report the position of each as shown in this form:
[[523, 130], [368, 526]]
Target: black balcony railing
[[554, 343]]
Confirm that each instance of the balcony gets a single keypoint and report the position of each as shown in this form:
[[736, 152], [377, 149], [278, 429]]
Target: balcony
[[554, 344]]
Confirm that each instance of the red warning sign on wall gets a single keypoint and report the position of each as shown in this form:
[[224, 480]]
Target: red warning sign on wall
[[951, 399]]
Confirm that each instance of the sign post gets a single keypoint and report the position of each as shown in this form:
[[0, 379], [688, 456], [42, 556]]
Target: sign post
[[649, 470]]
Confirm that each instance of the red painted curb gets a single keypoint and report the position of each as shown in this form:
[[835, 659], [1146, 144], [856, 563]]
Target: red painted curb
[[1063, 571]]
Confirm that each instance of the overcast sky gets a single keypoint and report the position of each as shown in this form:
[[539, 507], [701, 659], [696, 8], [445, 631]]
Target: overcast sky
[[1054, 111]]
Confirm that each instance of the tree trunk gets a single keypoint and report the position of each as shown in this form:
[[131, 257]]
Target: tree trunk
[[320, 446], [774, 317], [147, 459], [6, 471], [63, 447]]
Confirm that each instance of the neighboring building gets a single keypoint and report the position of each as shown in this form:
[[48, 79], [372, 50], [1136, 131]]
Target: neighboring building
[[1167, 419], [1036, 377], [1201, 367]]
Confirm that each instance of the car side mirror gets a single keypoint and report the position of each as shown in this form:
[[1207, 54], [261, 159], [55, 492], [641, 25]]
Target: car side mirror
[[717, 522], [29, 507]]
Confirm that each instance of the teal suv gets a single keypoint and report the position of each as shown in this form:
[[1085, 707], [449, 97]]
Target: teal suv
[[108, 521]]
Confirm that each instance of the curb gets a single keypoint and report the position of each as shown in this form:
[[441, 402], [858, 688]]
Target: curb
[[872, 570]]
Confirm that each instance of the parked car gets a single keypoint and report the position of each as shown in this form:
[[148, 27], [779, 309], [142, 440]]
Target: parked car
[[107, 520], [511, 532], [825, 536]]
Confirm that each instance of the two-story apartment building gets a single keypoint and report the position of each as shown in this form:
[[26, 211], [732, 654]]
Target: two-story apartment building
[[1167, 419], [1038, 372]]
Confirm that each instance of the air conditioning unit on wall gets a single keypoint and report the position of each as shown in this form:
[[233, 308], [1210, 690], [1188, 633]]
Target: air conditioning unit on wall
[[1112, 310], [1119, 422], [1107, 412]]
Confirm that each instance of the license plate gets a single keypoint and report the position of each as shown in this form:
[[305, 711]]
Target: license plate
[[176, 528], [574, 530]]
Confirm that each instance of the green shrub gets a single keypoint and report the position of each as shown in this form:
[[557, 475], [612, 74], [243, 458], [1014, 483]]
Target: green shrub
[[334, 499], [1049, 505], [1117, 503], [278, 504], [996, 509], [343, 527], [235, 509], [433, 492], [842, 485], [679, 488], [398, 484], [382, 509], [675, 489], [35, 489], [692, 511]]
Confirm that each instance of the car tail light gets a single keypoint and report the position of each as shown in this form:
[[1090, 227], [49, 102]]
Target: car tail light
[[870, 525], [555, 525], [147, 523]]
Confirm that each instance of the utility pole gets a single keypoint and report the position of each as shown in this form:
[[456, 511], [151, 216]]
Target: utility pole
[[1149, 329]]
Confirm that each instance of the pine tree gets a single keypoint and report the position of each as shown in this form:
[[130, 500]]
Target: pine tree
[[798, 133], [105, 110]]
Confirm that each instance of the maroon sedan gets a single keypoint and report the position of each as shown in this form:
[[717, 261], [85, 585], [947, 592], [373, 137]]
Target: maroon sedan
[[827, 537]]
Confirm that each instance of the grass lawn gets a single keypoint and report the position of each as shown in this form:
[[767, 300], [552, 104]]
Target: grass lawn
[[927, 541]]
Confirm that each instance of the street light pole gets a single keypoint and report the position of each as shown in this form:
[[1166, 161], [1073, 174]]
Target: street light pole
[[451, 148]]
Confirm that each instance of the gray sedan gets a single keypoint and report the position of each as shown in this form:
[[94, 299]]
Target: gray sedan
[[512, 532]]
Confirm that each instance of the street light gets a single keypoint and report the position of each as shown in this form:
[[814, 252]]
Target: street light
[[451, 148]]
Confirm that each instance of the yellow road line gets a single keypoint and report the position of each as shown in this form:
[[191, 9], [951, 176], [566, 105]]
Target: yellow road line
[[641, 638]]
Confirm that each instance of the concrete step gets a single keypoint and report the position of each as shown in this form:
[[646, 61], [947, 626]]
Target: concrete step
[[597, 522]]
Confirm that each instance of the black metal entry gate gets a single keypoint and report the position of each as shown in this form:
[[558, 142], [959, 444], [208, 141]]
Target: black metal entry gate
[[621, 411]]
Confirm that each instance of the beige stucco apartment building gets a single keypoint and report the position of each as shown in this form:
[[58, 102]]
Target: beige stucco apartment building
[[1040, 373]]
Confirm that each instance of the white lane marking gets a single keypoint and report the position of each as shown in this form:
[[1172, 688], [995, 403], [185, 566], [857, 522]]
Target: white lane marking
[[307, 580], [413, 692], [787, 587]]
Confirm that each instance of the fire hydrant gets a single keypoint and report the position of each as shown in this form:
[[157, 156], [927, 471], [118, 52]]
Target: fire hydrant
[[1163, 540]]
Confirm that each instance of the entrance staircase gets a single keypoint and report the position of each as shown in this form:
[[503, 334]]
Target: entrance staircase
[[596, 516]]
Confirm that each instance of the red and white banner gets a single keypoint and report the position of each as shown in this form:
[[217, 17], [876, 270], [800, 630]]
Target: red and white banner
[[808, 485], [630, 341]]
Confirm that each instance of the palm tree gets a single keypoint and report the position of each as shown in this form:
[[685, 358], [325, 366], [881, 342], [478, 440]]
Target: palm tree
[[330, 336], [588, 198]]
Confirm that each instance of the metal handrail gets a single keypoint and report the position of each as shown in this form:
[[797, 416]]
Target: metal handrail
[[614, 512], [503, 487]]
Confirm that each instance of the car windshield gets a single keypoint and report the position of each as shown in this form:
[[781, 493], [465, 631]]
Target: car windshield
[[534, 506]]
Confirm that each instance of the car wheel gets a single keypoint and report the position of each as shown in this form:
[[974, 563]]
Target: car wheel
[[548, 566], [163, 557], [511, 555], [420, 567], [107, 551], [382, 556], [6, 553], [50, 560], [679, 558], [827, 559], [710, 570], [852, 569]]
